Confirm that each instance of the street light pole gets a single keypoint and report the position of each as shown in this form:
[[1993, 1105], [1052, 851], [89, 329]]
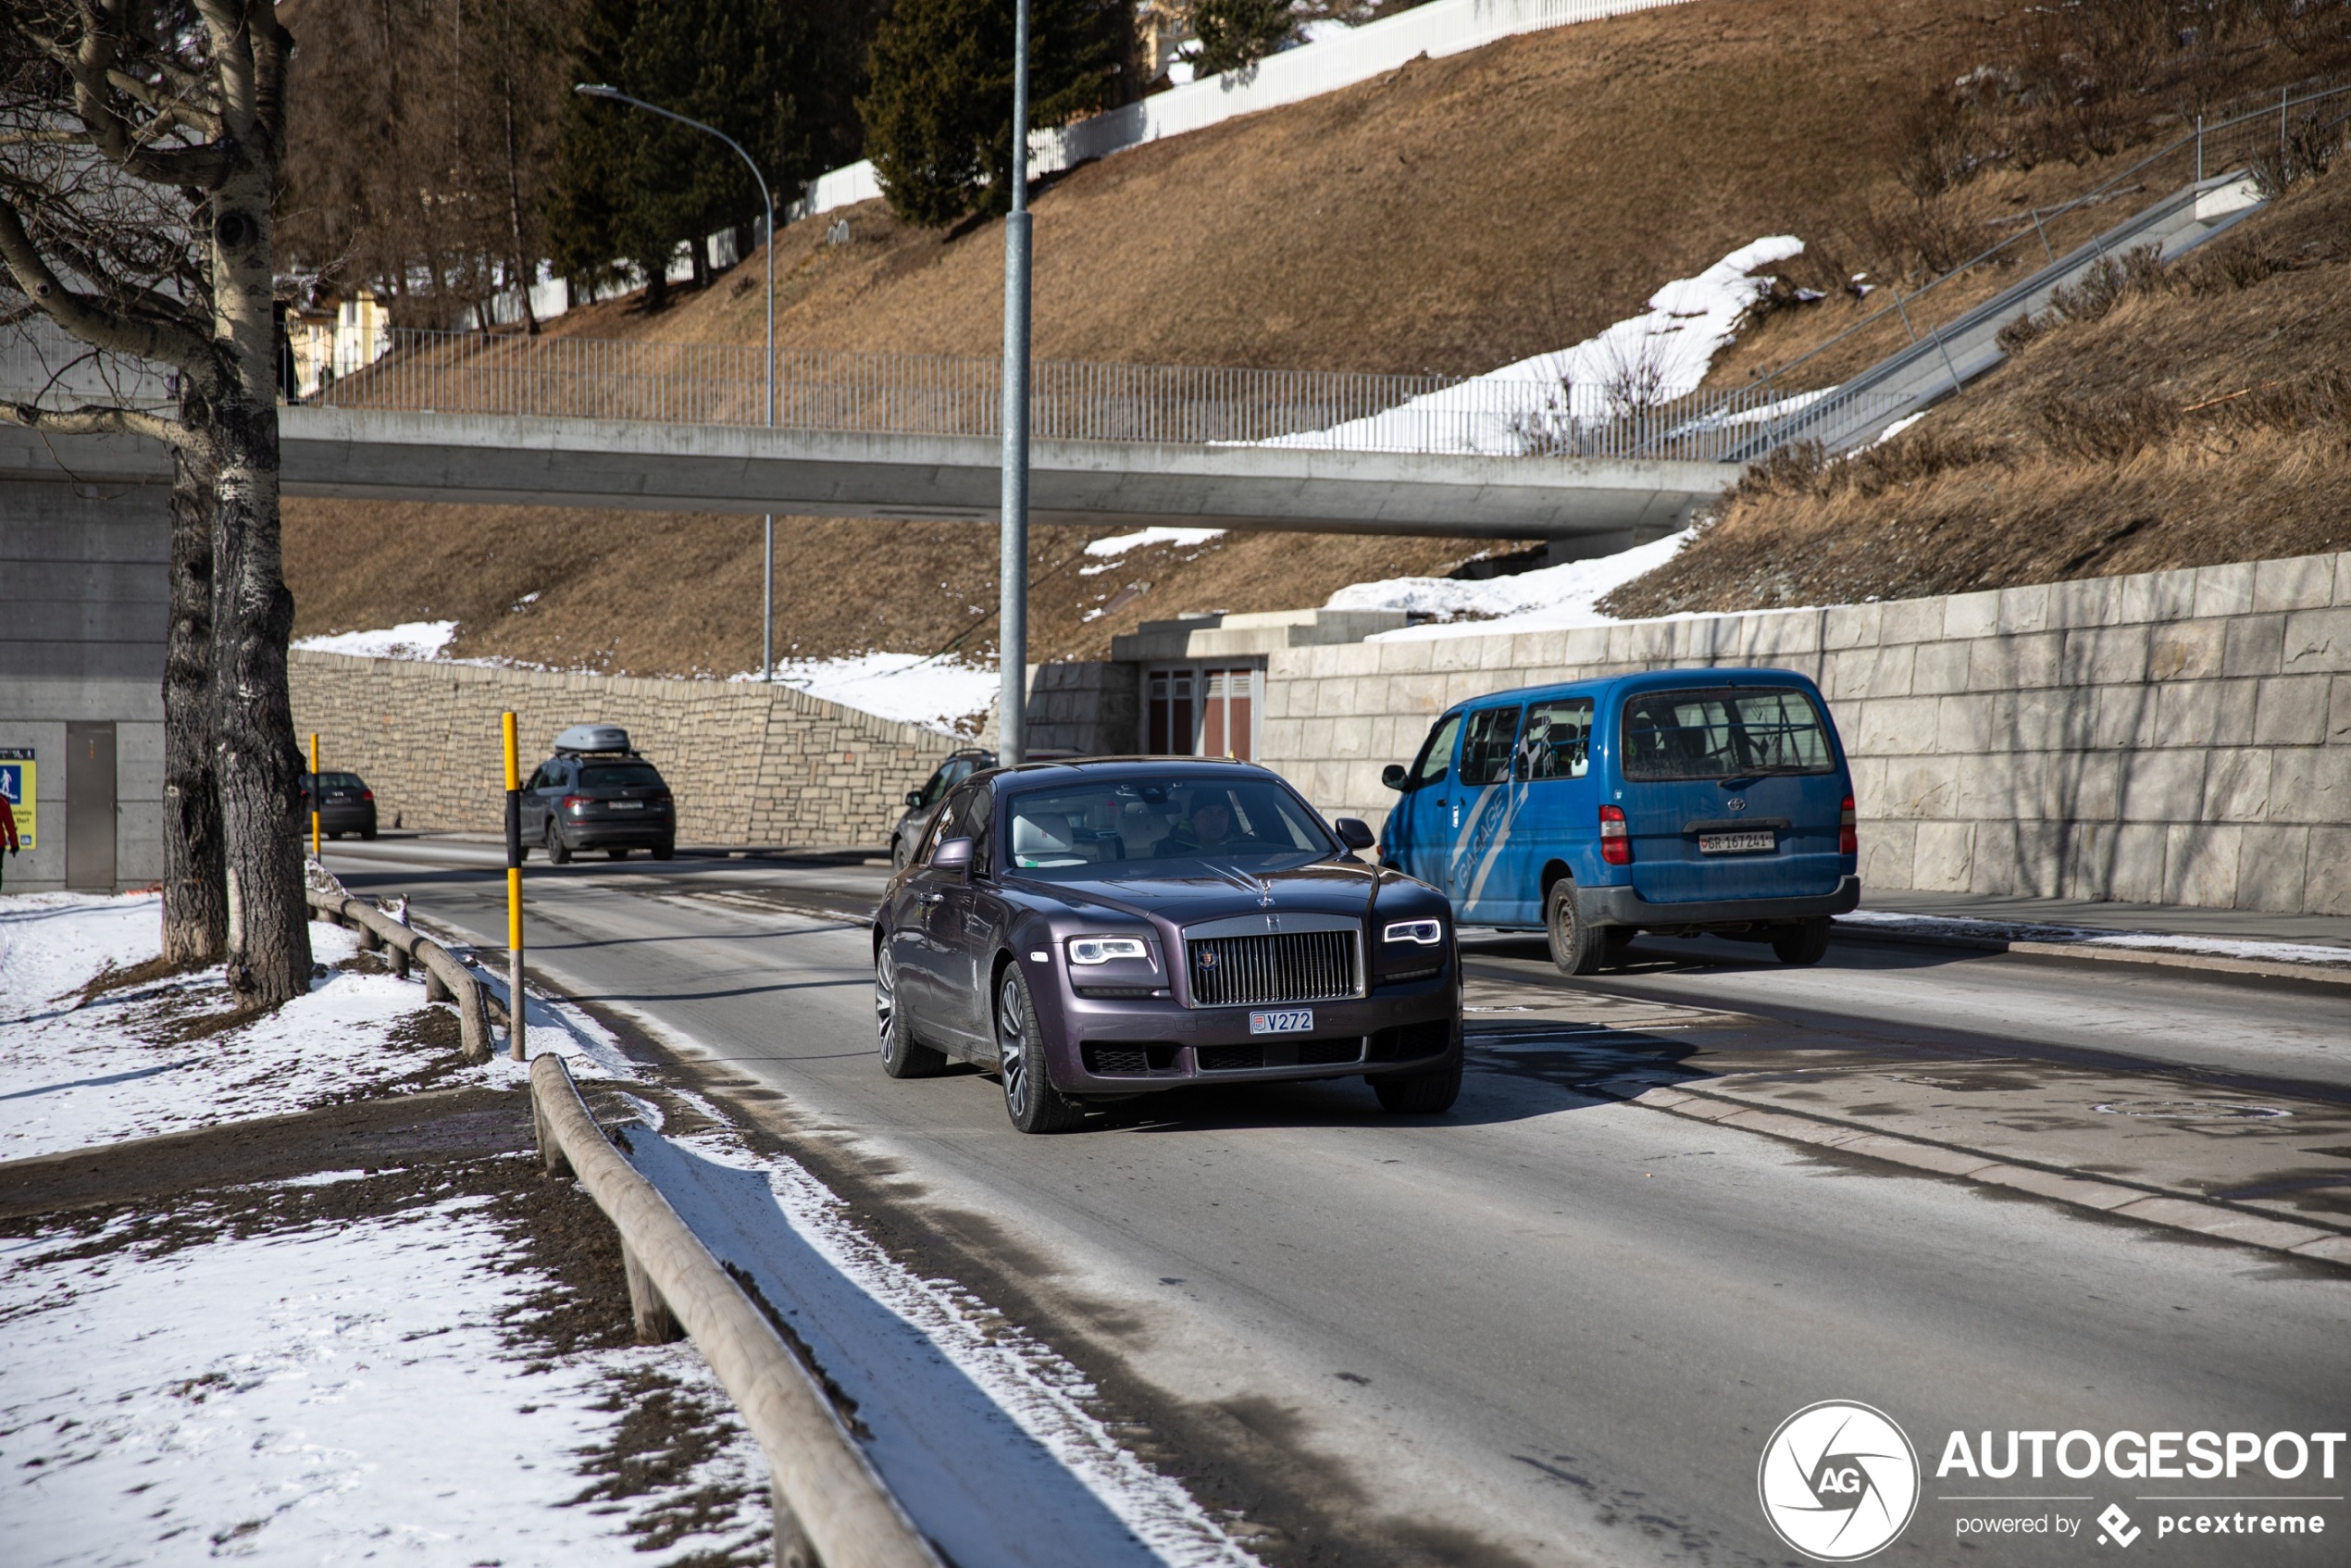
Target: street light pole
[[768, 566], [1011, 616]]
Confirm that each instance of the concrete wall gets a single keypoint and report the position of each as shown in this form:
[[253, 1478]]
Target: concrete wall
[[750, 763], [2173, 737], [84, 606]]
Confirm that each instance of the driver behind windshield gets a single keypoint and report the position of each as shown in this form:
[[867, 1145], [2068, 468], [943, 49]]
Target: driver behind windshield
[[1207, 824]]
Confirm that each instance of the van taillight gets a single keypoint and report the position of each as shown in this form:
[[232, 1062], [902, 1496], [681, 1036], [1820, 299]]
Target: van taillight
[[1848, 840], [1616, 845]]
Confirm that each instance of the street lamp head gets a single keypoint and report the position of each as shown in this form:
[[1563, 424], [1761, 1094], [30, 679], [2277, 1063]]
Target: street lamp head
[[598, 89]]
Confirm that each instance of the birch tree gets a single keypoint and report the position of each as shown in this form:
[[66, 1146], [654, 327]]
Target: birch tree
[[140, 141]]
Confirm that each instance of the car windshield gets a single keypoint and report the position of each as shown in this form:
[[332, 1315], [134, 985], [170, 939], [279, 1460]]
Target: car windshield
[[1163, 825], [617, 776], [1724, 734]]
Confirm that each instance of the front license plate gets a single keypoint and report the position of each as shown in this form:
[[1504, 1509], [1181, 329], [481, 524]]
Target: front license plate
[[640, 806], [1736, 843], [1287, 1021]]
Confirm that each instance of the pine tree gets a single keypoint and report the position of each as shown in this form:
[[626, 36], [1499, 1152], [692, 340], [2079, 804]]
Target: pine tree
[[1234, 34], [939, 114]]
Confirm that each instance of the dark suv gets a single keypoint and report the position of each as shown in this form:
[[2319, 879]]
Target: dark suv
[[345, 805], [608, 798], [922, 805]]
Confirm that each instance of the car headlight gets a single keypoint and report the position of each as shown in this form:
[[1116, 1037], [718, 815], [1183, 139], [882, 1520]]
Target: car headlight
[[1427, 933], [1101, 950]]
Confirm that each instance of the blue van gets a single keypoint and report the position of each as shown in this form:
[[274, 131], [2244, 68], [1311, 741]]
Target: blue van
[[1673, 801]]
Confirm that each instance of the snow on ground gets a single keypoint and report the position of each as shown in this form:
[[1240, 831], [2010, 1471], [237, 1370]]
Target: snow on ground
[[73, 1075], [320, 1395], [1549, 599], [1120, 544], [2309, 954], [1663, 351], [934, 693], [411, 640]]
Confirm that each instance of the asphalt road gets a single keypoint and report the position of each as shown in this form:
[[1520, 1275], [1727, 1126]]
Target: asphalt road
[[1549, 1327]]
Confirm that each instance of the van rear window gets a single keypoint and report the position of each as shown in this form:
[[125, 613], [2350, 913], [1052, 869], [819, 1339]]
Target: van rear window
[[1723, 733]]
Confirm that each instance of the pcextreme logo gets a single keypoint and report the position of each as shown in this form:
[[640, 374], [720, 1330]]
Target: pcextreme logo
[[1839, 1481]]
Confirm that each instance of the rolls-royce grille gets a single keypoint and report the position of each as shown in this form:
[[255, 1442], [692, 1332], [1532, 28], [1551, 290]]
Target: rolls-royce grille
[[1254, 971]]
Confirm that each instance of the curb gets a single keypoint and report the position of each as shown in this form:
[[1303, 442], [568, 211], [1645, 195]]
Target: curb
[[2207, 1217], [2091, 952]]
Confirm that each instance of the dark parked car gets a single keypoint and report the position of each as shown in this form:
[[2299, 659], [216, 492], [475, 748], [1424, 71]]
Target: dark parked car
[[597, 793], [922, 805], [1094, 930], [345, 805]]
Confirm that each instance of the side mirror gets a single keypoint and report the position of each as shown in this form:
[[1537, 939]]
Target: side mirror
[[914, 798], [1355, 833], [955, 855], [1392, 775]]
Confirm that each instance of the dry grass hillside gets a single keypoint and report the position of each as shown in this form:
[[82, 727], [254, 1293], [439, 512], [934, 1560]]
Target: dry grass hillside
[[1454, 216], [2161, 417]]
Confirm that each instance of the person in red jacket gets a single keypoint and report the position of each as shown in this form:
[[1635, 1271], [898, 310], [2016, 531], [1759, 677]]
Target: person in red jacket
[[8, 827]]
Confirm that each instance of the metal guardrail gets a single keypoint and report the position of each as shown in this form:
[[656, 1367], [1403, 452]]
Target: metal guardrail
[[447, 979], [830, 1503]]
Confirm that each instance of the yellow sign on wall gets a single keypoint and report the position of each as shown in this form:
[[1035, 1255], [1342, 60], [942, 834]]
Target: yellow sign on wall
[[19, 785]]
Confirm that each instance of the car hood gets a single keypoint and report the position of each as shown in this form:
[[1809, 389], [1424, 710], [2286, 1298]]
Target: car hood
[[1207, 891]]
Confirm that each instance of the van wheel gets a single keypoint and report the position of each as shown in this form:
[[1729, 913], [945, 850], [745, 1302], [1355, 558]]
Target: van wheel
[[558, 852], [1576, 947], [1804, 942]]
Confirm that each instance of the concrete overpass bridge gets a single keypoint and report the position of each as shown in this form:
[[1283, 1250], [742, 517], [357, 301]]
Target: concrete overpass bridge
[[372, 454]]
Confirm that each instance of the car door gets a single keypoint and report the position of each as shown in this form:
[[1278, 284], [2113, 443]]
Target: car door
[[1555, 810], [534, 804], [1420, 828], [1482, 813], [964, 930], [915, 925]]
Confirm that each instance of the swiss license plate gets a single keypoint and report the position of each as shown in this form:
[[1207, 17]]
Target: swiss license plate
[[1283, 1021], [628, 805], [1736, 843]]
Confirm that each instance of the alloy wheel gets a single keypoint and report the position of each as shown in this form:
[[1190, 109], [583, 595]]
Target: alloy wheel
[[1011, 1044]]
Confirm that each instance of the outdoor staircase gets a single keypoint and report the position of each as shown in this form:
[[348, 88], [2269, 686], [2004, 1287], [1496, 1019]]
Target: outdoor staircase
[[1904, 384]]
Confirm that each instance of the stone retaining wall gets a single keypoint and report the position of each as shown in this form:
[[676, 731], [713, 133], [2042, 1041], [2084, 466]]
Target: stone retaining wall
[[750, 763], [2173, 737]]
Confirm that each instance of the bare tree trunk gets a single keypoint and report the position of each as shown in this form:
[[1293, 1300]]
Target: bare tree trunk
[[196, 906], [260, 767]]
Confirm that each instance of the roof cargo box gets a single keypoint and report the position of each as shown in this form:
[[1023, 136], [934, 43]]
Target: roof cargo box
[[592, 737]]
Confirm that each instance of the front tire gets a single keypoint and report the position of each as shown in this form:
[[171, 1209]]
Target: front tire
[[1030, 1099], [1805, 943], [1577, 946], [898, 855], [901, 1057]]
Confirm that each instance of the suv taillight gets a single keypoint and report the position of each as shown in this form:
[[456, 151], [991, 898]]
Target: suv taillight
[[1849, 839], [366, 794], [573, 802], [1616, 844]]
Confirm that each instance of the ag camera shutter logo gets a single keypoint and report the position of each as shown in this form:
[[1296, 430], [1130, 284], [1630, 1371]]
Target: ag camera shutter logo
[[1839, 1481]]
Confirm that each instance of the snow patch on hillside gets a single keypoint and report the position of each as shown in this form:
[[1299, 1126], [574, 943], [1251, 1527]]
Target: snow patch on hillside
[[1550, 599], [1119, 544], [410, 639], [1661, 353], [945, 694]]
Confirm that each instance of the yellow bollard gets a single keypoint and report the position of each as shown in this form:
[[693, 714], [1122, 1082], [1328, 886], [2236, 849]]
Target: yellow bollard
[[514, 893], [315, 802]]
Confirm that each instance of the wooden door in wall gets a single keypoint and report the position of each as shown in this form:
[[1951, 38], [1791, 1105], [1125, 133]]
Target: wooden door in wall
[[1203, 710]]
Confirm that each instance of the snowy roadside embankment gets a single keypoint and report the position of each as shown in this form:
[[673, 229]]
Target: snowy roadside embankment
[[938, 692], [1644, 360], [410, 639], [335, 1364], [1549, 599], [167, 1055]]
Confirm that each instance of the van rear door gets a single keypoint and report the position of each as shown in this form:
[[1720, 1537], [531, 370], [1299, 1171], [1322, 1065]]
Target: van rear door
[[1731, 792]]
